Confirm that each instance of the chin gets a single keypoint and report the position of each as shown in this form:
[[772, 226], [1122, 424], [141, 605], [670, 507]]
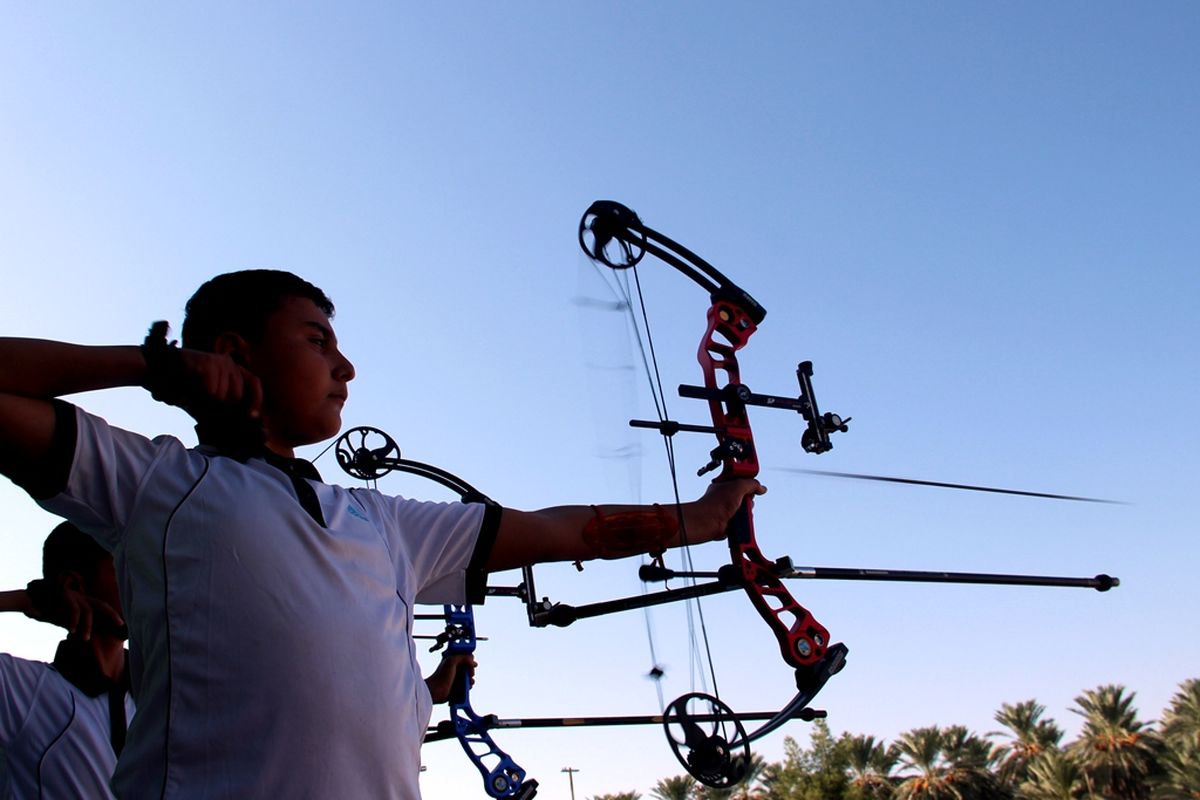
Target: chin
[[330, 428], [317, 432]]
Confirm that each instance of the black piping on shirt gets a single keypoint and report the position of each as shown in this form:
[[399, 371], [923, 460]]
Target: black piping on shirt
[[57, 739], [167, 625], [477, 568]]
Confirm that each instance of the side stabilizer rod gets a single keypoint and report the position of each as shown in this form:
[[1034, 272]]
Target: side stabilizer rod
[[444, 729]]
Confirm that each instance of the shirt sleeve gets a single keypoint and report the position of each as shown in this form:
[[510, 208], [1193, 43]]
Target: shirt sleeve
[[437, 544], [18, 691], [108, 469]]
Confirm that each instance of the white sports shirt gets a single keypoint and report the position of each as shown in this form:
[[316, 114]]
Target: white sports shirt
[[271, 655], [55, 741]]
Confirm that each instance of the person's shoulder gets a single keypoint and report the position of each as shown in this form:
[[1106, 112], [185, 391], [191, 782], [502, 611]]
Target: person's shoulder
[[8, 660], [15, 669], [87, 419], [94, 425]]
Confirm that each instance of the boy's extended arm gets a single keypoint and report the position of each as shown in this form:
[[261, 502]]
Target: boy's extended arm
[[580, 533], [35, 371]]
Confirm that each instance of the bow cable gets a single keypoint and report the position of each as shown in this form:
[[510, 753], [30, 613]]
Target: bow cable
[[699, 645]]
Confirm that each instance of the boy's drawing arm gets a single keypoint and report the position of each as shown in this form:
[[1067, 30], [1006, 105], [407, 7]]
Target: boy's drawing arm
[[16, 600], [67, 606], [60, 604], [33, 372], [581, 533]]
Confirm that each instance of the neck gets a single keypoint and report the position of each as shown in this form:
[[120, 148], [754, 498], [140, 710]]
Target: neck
[[93, 666], [232, 435], [280, 449], [109, 653]]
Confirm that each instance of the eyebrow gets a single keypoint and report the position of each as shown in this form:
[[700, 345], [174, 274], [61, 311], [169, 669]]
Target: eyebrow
[[324, 329]]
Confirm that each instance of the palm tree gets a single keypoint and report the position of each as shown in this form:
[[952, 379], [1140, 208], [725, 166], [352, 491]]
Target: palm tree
[[1116, 750], [748, 788], [1180, 758], [921, 750], [1181, 774], [870, 765], [679, 787], [968, 759], [710, 793], [745, 789], [1181, 722], [1053, 775], [1031, 736]]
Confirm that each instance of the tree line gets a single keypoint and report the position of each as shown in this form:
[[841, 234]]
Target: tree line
[[1116, 756]]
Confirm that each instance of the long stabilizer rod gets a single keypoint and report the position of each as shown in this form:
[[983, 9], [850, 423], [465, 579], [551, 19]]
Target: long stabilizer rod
[[1101, 583]]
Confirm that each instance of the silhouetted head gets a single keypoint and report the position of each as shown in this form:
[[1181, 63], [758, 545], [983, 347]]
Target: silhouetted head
[[277, 327], [241, 303], [72, 558]]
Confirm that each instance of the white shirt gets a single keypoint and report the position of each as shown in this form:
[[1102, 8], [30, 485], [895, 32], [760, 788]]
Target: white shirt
[[55, 741], [270, 656]]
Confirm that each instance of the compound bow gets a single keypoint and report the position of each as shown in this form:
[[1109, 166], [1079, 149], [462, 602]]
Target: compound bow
[[705, 734], [707, 737], [718, 754]]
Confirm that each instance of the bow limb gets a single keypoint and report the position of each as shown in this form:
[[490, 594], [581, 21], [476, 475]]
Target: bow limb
[[502, 777], [803, 641]]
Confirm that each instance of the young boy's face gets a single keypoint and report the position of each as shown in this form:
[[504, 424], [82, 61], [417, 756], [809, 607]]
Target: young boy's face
[[303, 375]]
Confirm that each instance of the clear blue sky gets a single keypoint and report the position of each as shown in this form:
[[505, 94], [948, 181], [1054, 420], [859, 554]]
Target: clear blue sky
[[980, 222]]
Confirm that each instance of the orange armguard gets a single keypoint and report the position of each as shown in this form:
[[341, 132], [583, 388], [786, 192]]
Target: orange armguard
[[630, 532]]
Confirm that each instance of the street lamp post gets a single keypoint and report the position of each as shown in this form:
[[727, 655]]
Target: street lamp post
[[571, 777]]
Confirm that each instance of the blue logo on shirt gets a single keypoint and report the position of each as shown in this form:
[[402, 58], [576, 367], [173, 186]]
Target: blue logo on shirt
[[354, 512]]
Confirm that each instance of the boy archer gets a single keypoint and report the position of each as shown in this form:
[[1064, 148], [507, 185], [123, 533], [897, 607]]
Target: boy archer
[[63, 724], [270, 614]]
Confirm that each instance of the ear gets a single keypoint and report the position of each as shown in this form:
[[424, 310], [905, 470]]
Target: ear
[[232, 345]]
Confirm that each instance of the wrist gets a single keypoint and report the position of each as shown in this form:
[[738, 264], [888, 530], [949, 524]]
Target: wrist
[[165, 371], [40, 599]]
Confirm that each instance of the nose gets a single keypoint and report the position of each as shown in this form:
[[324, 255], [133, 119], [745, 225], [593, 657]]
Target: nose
[[343, 369]]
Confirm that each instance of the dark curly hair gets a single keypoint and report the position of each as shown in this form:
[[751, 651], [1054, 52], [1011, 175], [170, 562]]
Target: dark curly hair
[[68, 549]]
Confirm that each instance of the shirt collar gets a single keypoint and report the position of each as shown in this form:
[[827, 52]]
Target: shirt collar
[[76, 662]]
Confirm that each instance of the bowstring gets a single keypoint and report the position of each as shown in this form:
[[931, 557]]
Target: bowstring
[[693, 608], [621, 303]]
